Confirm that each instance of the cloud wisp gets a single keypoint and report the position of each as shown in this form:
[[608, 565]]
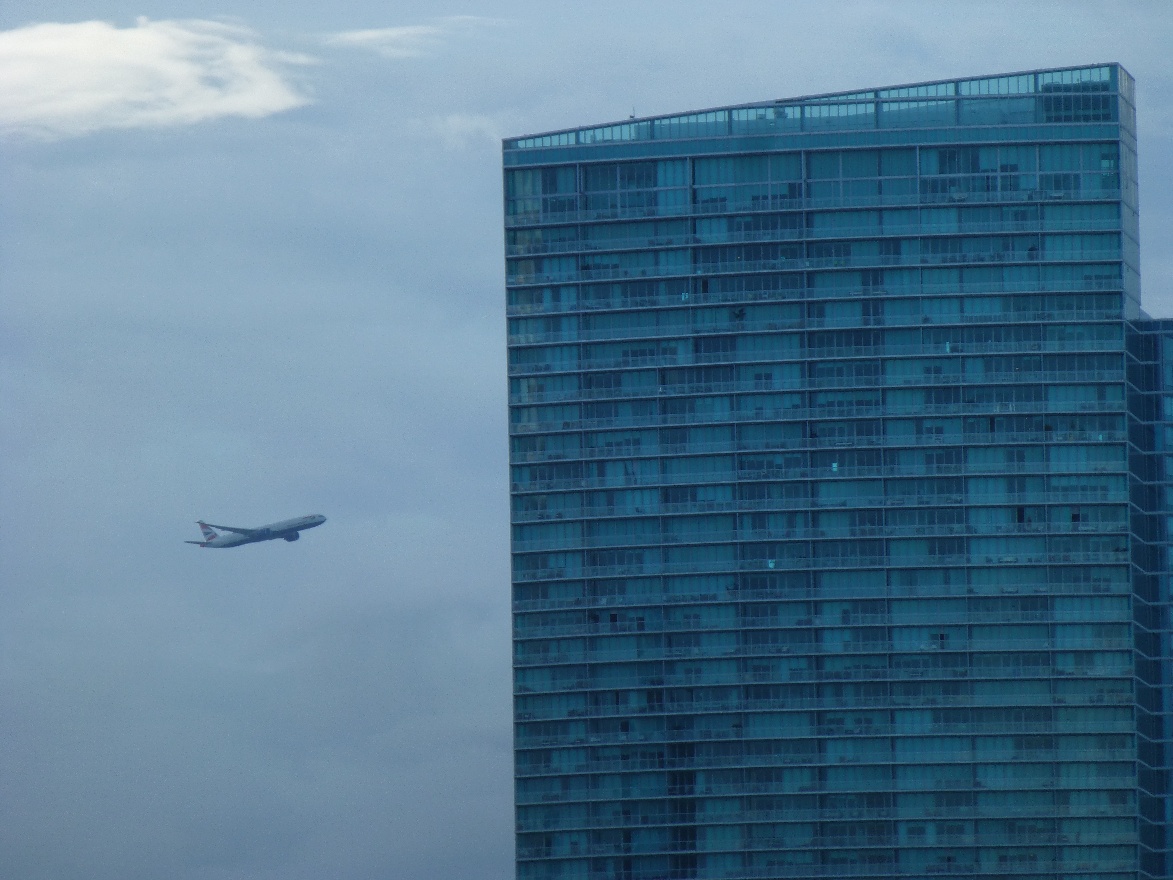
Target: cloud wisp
[[459, 131], [406, 41], [61, 80]]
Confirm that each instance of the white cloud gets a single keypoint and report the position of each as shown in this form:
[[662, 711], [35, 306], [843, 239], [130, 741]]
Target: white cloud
[[406, 41], [409, 41], [62, 80], [459, 131]]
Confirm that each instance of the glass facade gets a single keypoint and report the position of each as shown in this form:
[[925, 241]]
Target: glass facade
[[837, 490]]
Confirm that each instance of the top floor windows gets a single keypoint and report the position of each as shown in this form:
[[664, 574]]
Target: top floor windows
[[611, 176], [977, 160], [1078, 103], [535, 191], [831, 165], [1086, 94], [747, 169], [531, 182]]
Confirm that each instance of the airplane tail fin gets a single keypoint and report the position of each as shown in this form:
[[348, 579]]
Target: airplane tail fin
[[197, 543], [209, 534]]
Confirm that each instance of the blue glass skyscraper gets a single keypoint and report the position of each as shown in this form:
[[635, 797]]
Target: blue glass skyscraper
[[837, 461]]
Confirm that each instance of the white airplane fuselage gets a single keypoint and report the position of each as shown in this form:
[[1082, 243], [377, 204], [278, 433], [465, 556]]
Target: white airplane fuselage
[[232, 536]]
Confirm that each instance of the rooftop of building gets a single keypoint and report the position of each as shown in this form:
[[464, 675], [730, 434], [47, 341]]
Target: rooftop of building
[[902, 106]]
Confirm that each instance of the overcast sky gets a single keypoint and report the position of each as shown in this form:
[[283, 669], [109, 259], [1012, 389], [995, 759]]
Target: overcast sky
[[251, 267]]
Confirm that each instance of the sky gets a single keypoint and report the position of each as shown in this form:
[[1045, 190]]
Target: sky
[[251, 268]]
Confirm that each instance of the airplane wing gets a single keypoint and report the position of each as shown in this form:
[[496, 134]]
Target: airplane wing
[[245, 532]]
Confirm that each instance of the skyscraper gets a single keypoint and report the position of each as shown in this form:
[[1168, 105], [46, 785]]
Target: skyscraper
[[837, 490]]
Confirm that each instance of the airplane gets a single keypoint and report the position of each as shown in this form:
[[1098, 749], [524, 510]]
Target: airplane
[[288, 529]]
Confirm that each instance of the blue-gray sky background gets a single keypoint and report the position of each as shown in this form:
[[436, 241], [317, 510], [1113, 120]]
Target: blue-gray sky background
[[251, 268]]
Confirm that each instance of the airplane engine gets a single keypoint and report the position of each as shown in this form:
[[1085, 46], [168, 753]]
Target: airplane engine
[[293, 537]]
